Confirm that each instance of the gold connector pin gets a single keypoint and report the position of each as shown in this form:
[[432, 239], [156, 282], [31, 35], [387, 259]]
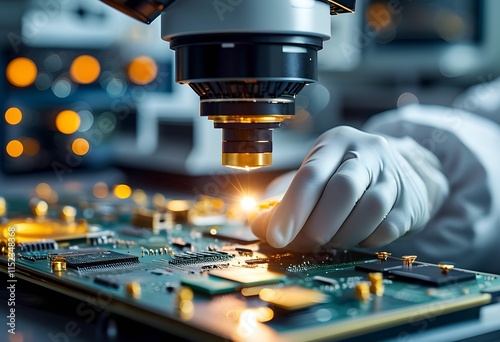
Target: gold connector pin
[[445, 268], [133, 289], [362, 291], [58, 263], [408, 260], [377, 283], [382, 256]]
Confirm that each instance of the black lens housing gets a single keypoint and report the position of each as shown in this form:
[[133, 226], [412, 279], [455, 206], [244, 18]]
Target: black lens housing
[[250, 78]]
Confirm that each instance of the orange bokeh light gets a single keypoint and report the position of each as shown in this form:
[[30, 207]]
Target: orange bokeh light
[[21, 72], [122, 191], [142, 70], [13, 116], [80, 146], [14, 148], [100, 190], [67, 122], [85, 69]]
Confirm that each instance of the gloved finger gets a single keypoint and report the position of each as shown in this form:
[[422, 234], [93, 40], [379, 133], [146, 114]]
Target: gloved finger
[[260, 223], [343, 190], [369, 212], [395, 225], [279, 185], [302, 195], [410, 212]]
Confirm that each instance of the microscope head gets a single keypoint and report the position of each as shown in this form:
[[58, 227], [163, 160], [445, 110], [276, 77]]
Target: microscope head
[[247, 60]]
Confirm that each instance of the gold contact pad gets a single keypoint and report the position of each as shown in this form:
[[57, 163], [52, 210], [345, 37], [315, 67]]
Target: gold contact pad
[[249, 276], [293, 297], [28, 230]]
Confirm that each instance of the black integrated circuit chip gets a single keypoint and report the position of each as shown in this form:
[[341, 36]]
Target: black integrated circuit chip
[[417, 272], [95, 259], [201, 257], [432, 275]]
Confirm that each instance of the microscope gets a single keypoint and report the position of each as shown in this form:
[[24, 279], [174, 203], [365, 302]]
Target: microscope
[[247, 60]]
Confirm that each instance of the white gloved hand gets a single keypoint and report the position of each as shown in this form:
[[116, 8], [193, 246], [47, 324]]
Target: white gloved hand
[[354, 188]]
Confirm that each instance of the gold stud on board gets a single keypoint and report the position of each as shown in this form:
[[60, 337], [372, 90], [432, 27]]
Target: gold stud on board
[[58, 263], [408, 260], [382, 256], [445, 268], [133, 289], [362, 291], [377, 283]]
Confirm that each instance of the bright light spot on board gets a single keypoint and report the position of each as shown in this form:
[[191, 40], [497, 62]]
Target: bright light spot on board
[[248, 203]]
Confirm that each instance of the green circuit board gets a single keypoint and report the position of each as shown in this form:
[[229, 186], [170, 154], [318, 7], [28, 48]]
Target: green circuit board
[[217, 282]]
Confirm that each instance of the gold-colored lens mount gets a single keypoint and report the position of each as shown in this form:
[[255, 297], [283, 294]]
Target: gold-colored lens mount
[[247, 161], [247, 139], [248, 119]]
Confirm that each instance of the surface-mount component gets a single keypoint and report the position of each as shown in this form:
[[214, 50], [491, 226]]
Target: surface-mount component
[[270, 259], [445, 268], [432, 275], [133, 289], [249, 276], [184, 302], [154, 220], [362, 290], [38, 246], [382, 256], [58, 263], [408, 260], [376, 283], [96, 259], [293, 297], [34, 256], [201, 257], [210, 285]]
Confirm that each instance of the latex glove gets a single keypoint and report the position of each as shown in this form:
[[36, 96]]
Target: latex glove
[[354, 188]]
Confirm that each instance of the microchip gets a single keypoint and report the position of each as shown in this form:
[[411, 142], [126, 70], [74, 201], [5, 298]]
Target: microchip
[[249, 276], [34, 256], [201, 257], [97, 259], [432, 275], [38, 246], [210, 285], [293, 297]]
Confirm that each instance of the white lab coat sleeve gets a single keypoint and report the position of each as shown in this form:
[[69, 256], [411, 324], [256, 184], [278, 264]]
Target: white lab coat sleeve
[[466, 228], [482, 99]]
